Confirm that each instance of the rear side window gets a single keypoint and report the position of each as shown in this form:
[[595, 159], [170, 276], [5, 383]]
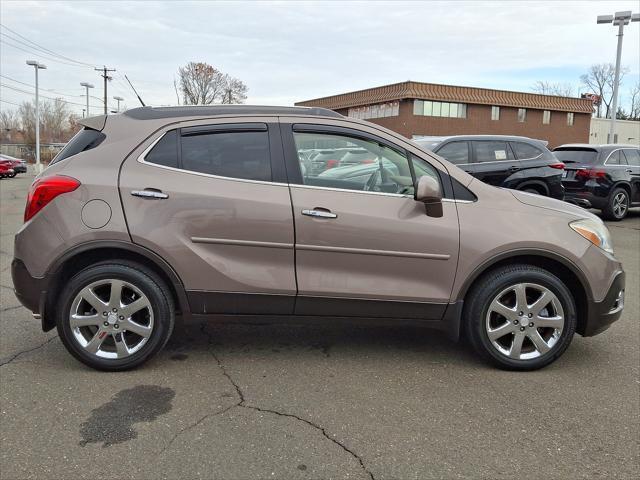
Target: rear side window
[[242, 155], [165, 152], [633, 156], [576, 155], [456, 152], [525, 150], [616, 158], [492, 151], [84, 140]]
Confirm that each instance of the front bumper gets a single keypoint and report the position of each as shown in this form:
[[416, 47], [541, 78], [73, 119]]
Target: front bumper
[[602, 314]]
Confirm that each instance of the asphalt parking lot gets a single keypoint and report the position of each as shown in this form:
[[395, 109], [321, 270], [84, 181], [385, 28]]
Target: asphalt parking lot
[[326, 400]]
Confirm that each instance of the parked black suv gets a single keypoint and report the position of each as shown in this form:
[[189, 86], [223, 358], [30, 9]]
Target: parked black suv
[[602, 176], [519, 163]]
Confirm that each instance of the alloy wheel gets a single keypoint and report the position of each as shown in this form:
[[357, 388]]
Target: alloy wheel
[[620, 204], [524, 321], [111, 319]]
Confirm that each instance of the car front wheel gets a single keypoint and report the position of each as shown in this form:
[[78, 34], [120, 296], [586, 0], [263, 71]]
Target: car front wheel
[[520, 317], [115, 316]]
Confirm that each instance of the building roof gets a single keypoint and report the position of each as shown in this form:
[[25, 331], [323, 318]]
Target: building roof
[[152, 113], [451, 93]]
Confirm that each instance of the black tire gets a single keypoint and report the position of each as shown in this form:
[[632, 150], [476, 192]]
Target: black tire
[[153, 287], [489, 286], [11, 175], [610, 212]]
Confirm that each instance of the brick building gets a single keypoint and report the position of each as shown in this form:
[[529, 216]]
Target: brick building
[[416, 109]]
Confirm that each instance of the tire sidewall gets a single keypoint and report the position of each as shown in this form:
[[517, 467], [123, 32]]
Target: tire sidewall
[[615, 192], [488, 292], [160, 303]]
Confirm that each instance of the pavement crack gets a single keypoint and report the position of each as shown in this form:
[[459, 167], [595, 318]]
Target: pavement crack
[[242, 404], [15, 356], [15, 307]]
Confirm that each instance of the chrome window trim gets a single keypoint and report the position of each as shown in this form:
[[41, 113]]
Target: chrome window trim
[[141, 159], [365, 192]]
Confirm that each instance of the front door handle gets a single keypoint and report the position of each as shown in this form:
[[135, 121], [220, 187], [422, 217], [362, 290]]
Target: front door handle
[[319, 213], [150, 193]]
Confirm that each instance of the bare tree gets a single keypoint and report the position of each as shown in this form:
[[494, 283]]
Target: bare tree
[[549, 88], [201, 83], [235, 90], [600, 79], [634, 96]]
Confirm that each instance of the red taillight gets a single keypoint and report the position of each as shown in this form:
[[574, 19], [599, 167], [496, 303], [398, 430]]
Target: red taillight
[[587, 173], [332, 163], [44, 190], [559, 166]]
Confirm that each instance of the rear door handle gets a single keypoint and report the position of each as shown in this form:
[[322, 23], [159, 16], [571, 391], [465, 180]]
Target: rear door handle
[[514, 168], [319, 213], [150, 193]]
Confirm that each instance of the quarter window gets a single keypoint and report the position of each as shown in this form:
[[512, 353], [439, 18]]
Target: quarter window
[[546, 117], [522, 115], [495, 113], [242, 155], [364, 165], [525, 150], [616, 158], [492, 151], [455, 152]]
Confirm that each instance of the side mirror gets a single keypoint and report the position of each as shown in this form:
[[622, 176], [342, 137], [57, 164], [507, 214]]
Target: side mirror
[[428, 192]]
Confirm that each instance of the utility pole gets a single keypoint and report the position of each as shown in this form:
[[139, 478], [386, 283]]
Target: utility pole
[[37, 66], [87, 86], [620, 19], [106, 77]]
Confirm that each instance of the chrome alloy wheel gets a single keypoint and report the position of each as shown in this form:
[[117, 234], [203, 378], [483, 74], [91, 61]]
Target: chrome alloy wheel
[[524, 321], [620, 204], [111, 319]]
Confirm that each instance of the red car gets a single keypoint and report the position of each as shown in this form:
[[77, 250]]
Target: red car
[[6, 170], [17, 165]]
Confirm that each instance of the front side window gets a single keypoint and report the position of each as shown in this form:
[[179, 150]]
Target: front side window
[[456, 152], [495, 113], [525, 150], [546, 117], [492, 151], [522, 115], [365, 166], [243, 155]]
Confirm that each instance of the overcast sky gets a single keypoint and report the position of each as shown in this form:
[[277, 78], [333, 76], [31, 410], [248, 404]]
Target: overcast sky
[[291, 51]]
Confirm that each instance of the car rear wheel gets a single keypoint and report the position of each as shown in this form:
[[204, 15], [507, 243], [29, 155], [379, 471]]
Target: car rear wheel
[[617, 205], [520, 317], [115, 316], [11, 175]]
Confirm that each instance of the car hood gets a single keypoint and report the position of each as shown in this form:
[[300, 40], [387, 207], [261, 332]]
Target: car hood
[[539, 201]]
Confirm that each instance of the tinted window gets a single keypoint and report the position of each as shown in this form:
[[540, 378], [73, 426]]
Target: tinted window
[[492, 151], [455, 152], [576, 155], [84, 140], [616, 158], [525, 150], [165, 152], [228, 154], [633, 156]]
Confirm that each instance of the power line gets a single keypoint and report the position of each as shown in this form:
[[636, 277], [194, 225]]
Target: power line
[[36, 45], [44, 96], [45, 89], [41, 55], [10, 103]]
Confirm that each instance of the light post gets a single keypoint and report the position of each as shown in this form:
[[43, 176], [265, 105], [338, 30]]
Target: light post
[[619, 19], [119, 99], [37, 66], [87, 86]]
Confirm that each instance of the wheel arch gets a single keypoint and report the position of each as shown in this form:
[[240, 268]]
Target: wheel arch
[[81, 256], [564, 269], [538, 184]]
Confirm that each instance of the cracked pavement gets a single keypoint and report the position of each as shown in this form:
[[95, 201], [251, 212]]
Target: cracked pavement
[[323, 399]]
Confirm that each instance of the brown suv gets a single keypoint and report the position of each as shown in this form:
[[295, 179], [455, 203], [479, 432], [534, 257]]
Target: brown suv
[[197, 211]]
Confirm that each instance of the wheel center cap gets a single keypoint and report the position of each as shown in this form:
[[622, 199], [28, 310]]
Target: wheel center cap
[[112, 318]]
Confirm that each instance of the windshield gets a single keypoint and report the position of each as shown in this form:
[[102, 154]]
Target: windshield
[[578, 155]]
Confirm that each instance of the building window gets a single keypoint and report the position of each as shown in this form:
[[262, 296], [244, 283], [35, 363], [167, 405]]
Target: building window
[[428, 108], [522, 115], [380, 110], [495, 113], [570, 119], [546, 117]]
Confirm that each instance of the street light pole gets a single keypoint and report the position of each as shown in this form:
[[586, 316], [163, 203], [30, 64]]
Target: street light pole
[[87, 86], [118, 99], [619, 19], [37, 66]]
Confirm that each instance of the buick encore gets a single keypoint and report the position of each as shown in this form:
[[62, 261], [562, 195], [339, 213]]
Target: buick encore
[[193, 212]]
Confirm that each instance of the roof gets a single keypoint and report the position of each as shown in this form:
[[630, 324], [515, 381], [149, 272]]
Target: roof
[[153, 113], [591, 146], [450, 93], [506, 138]]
